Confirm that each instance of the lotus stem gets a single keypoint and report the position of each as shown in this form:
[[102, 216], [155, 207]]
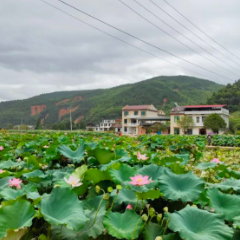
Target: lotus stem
[[135, 229], [113, 201], [49, 232], [165, 229], [136, 205], [98, 211]]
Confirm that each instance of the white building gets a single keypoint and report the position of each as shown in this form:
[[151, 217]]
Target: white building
[[198, 113], [105, 125]]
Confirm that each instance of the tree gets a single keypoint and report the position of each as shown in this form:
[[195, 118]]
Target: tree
[[185, 123], [158, 127], [215, 122]]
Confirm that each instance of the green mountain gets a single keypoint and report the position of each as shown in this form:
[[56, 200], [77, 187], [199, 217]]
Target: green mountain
[[94, 105], [230, 95]]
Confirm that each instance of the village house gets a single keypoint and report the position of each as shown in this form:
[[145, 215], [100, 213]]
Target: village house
[[198, 113], [136, 119]]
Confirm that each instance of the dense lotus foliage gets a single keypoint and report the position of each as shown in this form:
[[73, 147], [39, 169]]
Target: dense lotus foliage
[[80, 186]]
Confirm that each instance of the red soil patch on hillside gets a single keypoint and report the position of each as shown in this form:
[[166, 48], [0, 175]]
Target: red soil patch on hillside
[[164, 101], [78, 119], [62, 102], [37, 109], [65, 111]]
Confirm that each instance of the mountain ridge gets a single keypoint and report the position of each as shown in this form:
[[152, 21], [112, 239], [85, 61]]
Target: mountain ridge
[[97, 104]]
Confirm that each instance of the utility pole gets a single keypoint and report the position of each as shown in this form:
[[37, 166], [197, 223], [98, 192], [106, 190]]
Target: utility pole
[[71, 118]]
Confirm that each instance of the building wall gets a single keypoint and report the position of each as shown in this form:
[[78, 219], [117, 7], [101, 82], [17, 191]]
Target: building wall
[[197, 125]]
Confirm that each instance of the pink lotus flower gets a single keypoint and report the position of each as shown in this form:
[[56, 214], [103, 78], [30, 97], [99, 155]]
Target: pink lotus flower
[[44, 167], [15, 182], [65, 133], [75, 182], [46, 146], [2, 171], [142, 157], [129, 206], [1, 148], [216, 160], [139, 180], [19, 159]]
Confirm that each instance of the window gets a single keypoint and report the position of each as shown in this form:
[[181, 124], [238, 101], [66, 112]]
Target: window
[[135, 113], [189, 131], [176, 118], [143, 113], [203, 118], [125, 121], [198, 119], [125, 129], [176, 131], [125, 113]]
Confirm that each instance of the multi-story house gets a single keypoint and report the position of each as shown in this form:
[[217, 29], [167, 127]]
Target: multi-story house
[[135, 117], [105, 125], [198, 113]]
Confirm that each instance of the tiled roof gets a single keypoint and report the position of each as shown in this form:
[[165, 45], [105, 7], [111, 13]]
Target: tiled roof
[[137, 107]]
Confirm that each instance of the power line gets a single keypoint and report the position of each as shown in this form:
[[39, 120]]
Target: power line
[[150, 44], [173, 36], [192, 32], [187, 38], [119, 39], [200, 29]]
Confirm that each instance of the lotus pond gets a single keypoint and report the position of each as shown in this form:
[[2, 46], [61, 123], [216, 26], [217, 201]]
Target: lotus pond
[[80, 186]]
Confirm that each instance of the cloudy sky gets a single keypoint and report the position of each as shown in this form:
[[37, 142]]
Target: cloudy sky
[[44, 50]]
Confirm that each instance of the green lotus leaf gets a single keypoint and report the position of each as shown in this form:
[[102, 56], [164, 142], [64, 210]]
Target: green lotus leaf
[[8, 164], [172, 236], [186, 187], [63, 233], [35, 176], [94, 175], [123, 174], [226, 204], [12, 235], [4, 182], [62, 207], [51, 153], [227, 185], [236, 222], [207, 165], [126, 196], [102, 155], [11, 194], [153, 171], [151, 194], [15, 216], [79, 172], [76, 156], [193, 223], [152, 230], [123, 226]]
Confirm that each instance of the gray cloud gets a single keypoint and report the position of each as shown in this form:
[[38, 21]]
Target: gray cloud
[[43, 50]]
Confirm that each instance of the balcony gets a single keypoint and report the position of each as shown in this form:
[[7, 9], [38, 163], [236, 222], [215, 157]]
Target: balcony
[[133, 124]]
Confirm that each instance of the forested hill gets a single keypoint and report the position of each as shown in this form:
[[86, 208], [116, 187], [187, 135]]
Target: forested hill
[[94, 105], [229, 95]]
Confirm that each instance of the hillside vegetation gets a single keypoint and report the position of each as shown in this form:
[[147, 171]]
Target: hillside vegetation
[[94, 105], [229, 95]]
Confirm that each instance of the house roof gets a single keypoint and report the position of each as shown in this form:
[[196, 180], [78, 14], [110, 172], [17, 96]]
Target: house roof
[[203, 106], [138, 107]]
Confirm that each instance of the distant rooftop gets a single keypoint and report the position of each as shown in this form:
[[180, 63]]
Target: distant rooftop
[[204, 106], [139, 107]]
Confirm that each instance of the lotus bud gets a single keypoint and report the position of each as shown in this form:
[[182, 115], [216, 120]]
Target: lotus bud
[[119, 187], [105, 196], [129, 206], [110, 189], [152, 212], [194, 206], [144, 217], [159, 217], [158, 238], [165, 209], [147, 206], [212, 210], [98, 189], [25, 159]]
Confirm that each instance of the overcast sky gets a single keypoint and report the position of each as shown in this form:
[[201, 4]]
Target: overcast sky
[[43, 50]]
